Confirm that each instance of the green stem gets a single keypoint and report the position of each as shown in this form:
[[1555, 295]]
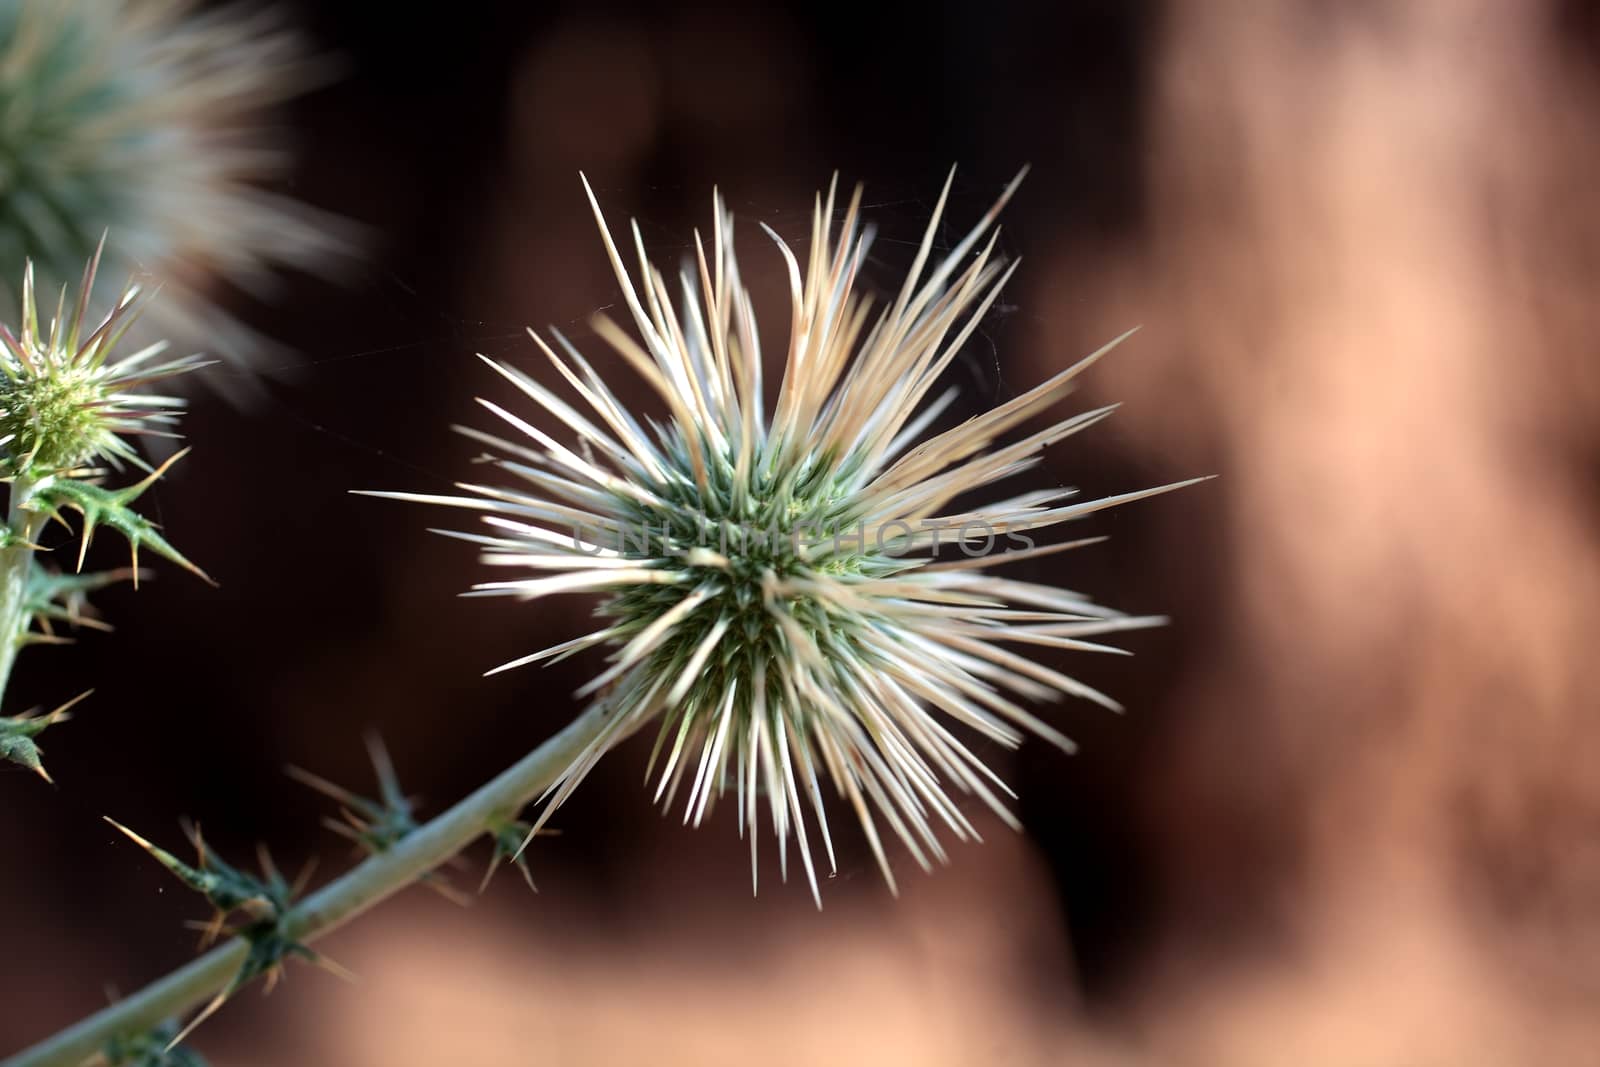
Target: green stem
[[415, 855], [16, 565]]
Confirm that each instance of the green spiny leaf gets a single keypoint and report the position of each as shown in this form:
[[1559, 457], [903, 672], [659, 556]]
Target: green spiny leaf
[[225, 887], [509, 837], [53, 596], [19, 748], [11, 538], [112, 508], [17, 735], [152, 1048], [270, 948], [375, 825], [265, 902]]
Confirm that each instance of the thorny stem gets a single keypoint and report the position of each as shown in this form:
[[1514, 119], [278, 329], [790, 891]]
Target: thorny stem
[[16, 563], [413, 856]]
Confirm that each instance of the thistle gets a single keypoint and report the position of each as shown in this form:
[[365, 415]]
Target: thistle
[[145, 118], [69, 407], [792, 594]]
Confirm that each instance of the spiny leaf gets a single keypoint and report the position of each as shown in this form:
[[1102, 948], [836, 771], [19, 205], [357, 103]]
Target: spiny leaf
[[375, 825], [54, 596], [10, 538], [509, 837], [264, 901], [151, 1048], [17, 735], [112, 508], [225, 887], [269, 949], [20, 749]]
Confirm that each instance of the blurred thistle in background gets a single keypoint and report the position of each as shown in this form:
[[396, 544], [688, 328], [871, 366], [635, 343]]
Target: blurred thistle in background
[[150, 122]]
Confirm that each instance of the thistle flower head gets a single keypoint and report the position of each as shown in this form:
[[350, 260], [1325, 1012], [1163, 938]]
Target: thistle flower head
[[792, 593], [65, 403], [144, 118]]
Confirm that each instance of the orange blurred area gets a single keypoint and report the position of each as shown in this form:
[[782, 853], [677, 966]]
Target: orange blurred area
[[1351, 817]]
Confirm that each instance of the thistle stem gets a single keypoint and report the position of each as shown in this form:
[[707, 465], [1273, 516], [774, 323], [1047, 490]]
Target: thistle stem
[[413, 856], [16, 563]]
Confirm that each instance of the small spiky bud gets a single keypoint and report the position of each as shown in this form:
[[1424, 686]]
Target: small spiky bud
[[777, 597], [65, 403], [148, 118]]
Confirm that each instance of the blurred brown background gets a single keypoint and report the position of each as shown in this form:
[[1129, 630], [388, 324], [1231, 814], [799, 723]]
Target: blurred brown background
[[1352, 816]]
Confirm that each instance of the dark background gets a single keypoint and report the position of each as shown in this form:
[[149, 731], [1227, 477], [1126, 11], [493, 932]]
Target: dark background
[[1196, 875]]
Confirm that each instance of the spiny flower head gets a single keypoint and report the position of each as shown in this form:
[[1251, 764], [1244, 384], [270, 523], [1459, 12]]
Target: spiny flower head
[[792, 593], [145, 118], [64, 402]]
